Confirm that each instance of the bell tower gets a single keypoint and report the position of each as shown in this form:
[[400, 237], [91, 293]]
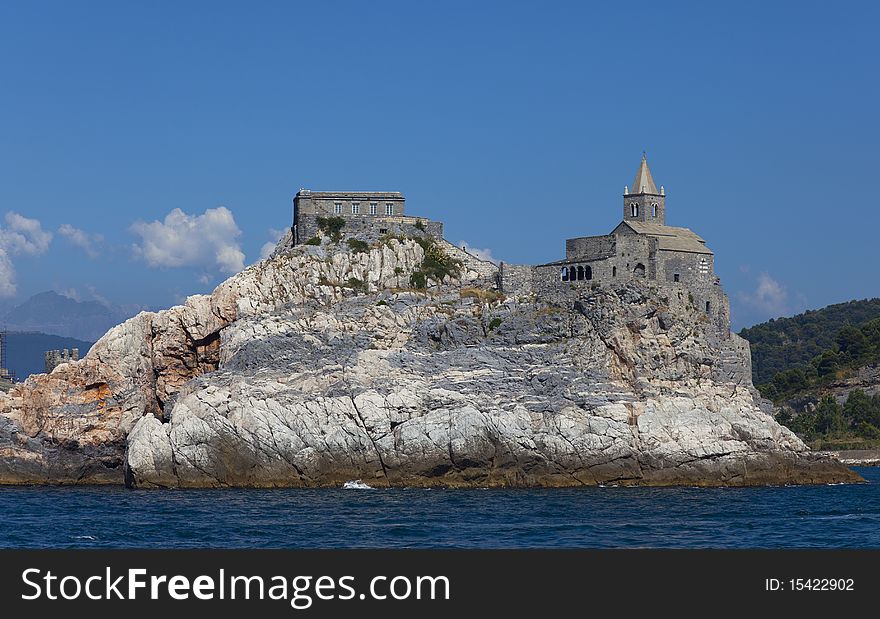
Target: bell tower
[[643, 202]]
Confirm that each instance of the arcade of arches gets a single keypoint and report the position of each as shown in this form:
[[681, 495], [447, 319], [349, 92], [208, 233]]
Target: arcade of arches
[[577, 273]]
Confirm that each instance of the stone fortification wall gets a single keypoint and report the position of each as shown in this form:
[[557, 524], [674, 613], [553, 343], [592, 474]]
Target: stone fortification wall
[[371, 228], [480, 272], [733, 363], [516, 278], [54, 358]]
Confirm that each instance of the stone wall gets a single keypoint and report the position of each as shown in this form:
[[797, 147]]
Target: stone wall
[[635, 251], [691, 268], [325, 203], [54, 358], [624, 257], [545, 281], [645, 203], [734, 361], [480, 272], [371, 229], [516, 278], [590, 247], [696, 273], [362, 210], [632, 256]]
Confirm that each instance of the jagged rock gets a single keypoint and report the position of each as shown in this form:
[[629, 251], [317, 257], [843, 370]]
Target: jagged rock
[[284, 376]]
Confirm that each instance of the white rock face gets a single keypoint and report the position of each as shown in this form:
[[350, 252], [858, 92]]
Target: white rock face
[[315, 367]]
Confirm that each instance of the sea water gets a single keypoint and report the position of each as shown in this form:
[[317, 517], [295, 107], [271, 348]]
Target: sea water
[[830, 516]]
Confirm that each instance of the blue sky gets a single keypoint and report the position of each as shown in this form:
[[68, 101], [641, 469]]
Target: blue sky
[[517, 124]]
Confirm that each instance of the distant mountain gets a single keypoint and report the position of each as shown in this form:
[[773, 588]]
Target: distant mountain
[[24, 351], [56, 314], [784, 343]]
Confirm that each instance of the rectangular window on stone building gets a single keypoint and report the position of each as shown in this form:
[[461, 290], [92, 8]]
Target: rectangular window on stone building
[[337, 208], [676, 277], [373, 208], [389, 209], [355, 208]]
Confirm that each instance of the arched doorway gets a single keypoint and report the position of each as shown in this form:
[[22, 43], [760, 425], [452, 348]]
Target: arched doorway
[[639, 271], [588, 272], [565, 274], [580, 273]]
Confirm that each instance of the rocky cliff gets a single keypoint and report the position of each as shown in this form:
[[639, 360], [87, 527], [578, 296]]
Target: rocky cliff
[[320, 365]]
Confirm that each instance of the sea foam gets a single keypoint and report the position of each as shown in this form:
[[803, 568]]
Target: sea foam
[[356, 484]]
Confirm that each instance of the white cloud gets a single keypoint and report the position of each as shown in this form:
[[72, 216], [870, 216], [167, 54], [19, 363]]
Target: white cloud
[[769, 297], [70, 293], [7, 275], [483, 254], [97, 296], [82, 239], [269, 247], [21, 235], [208, 241]]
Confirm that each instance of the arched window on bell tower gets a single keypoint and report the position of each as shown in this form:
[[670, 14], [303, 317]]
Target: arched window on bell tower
[[643, 202]]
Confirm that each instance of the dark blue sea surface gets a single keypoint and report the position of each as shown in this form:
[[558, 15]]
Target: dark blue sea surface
[[833, 516]]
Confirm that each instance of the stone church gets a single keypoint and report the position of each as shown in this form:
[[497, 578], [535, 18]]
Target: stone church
[[640, 247]]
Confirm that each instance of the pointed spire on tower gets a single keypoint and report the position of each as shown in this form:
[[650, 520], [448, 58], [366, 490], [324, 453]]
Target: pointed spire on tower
[[644, 182]]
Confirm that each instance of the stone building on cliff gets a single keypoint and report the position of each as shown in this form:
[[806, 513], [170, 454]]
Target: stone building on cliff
[[640, 247], [367, 215]]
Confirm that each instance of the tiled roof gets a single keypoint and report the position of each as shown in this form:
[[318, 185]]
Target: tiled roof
[[671, 238]]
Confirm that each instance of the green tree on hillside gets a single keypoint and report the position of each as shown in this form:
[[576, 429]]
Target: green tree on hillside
[[827, 363], [852, 342], [852, 348], [829, 417], [783, 343], [857, 420], [863, 411]]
